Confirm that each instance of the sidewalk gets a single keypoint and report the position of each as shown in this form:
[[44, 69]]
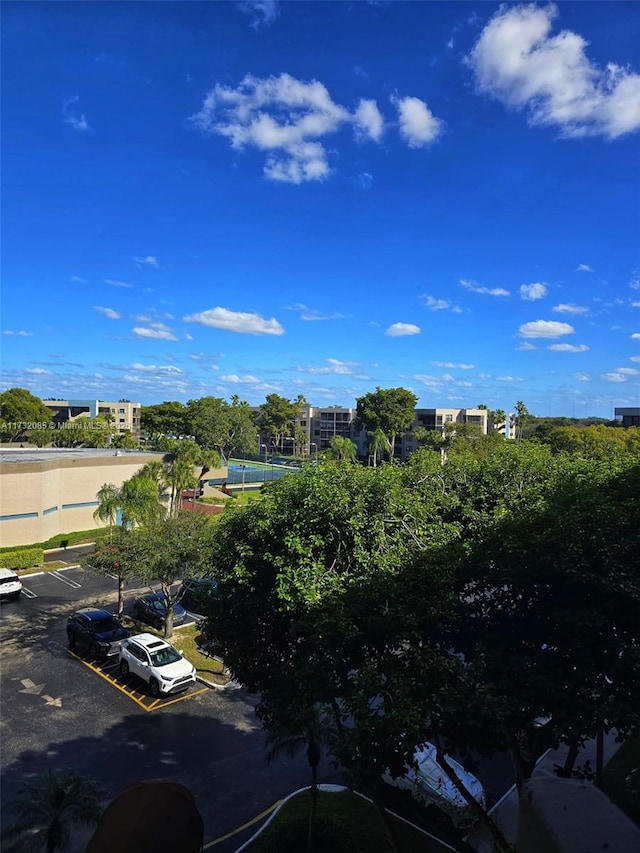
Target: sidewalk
[[505, 811]]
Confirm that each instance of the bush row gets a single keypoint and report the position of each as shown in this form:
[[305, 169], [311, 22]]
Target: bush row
[[22, 559]]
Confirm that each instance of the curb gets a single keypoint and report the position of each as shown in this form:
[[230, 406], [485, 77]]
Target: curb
[[229, 687]]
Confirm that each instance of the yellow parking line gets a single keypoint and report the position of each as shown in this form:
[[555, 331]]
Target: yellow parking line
[[243, 827], [108, 679], [131, 693]]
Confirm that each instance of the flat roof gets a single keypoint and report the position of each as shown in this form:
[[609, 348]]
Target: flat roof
[[51, 454]]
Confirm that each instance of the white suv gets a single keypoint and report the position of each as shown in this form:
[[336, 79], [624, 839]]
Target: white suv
[[10, 584], [157, 662]]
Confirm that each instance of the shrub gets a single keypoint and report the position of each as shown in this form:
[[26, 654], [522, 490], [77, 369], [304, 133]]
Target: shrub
[[22, 559]]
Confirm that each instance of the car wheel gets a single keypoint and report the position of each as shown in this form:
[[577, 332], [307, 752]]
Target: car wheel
[[154, 688], [124, 668], [72, 640]]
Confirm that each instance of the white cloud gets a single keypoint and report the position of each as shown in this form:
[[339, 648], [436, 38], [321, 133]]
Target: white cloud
[[531, 292], [569, 308], [614, 377], [400, 330], [517, 62], [369, 123], [155, 331], [582, 377], [449, 365], [113, 282], [364, 180], [635, 304], [335, 366], [525, 346], [628, 371], [37, 371], [634, 284], [584, 268], [418, 125], [261, 12], [76, 279], [107, 312], [474, 287], [434, 304], [248, 379], [635, 336], [150, 261], [71, 117], [568, 348], [153, 368], [634, 358], [545, 329], [236, 321], [20, 334], [509, 379]]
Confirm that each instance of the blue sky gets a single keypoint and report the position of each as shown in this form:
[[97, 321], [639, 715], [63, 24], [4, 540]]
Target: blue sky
[[321, 198]]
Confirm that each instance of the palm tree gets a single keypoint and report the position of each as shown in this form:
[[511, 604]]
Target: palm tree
[[342, 449], [108, 505], [46, 808], [180, 477], [376, 444], [139, 502], [313, 732], [156, 471]]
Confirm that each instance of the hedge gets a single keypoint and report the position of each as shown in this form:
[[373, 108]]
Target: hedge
[[23, 559]]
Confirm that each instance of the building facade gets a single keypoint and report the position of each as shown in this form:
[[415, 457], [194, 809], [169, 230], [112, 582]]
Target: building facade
[[629, 417], [125, 414]]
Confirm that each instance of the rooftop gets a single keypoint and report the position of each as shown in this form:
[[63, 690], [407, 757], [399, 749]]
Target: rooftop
[[49, 454]]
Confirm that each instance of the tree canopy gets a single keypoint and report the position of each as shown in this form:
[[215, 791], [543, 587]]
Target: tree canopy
[[19, 409], [390, 410]]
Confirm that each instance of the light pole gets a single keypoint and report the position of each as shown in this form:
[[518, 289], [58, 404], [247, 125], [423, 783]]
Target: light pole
[[243, 470], [264, 470], [313, 444]]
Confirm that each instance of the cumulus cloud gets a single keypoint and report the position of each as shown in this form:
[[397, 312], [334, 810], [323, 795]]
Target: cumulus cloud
[[584, 268], [400, 330], [518, 62], [107, 312], [434, 304], [262, 13], [568, 348], [37, 371], [20, 334], [150, 261], [545, 329], [525, 346], [569, 308], [363, 181], [531, 292], [369, 123], [634, 358], [155, 331], [614, 377], [337, 367], [76, 279], [71, 116], [288, 119], [418, 125], [236, 321], [474, 287], [153, 368], [635, 336], [582, 377], [628, 371]]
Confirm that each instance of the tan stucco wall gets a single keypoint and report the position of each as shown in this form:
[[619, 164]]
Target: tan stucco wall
[[33, 487]]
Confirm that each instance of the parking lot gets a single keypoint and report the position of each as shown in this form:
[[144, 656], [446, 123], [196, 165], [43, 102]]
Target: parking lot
[[59, 709]]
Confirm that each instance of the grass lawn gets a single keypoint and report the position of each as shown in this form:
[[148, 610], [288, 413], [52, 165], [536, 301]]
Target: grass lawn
[[356, 817], [622, 778]]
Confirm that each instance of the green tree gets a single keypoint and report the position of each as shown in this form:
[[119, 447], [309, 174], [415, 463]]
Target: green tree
[[390, 410], [139, 502], [46, 809], [522, 419], [41, 437], [173, 549], [376, 443], [120, 556], [108, 505], [18, 408], [277, 418], [342, 449], [168, 418]]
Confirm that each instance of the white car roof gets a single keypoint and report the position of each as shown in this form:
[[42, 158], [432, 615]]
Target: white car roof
[[7, 573], [150, 641]]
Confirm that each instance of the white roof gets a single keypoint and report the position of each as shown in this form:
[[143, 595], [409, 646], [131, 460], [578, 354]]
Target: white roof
[[150, 640], [7, 573]]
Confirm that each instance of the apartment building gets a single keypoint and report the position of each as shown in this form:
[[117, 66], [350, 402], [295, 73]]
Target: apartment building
[[629, 417], [125, 414], [437, 419]]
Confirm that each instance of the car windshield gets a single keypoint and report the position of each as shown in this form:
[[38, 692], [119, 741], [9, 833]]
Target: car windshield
[[100, 626], [165, 656], [12, 579]]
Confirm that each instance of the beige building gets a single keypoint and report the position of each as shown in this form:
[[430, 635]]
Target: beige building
[[125, 414], [44, 492]]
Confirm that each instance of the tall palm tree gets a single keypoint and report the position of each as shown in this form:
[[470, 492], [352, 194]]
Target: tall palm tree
[[108, 505], [376, 444], [45, 810], [156, 471], [139, 502], [313, 732], [180, 476]]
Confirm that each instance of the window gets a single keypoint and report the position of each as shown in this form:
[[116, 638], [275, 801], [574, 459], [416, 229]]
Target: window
[[121, 411], [448, 418]]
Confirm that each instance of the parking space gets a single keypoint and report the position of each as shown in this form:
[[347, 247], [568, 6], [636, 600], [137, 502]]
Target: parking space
[[133, 687]]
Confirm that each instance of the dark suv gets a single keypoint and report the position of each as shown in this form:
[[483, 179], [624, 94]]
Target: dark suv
[[96, 632], [196, 592]]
